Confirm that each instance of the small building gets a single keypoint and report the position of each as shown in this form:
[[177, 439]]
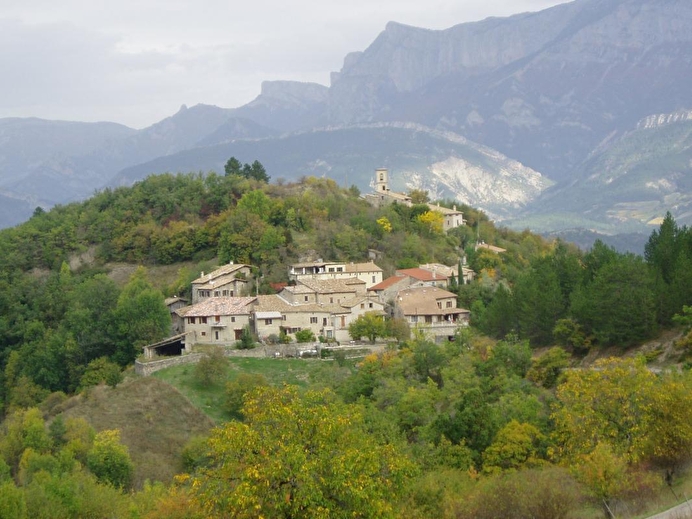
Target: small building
[[228, 281], [432, 310], [218, 320]]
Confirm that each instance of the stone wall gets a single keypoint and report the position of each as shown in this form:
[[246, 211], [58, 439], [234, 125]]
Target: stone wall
[[147, 368]]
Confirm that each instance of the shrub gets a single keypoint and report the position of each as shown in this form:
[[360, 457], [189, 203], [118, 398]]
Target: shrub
[[305, 335]]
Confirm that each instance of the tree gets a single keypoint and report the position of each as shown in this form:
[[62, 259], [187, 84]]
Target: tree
[[432, 221], [211, 368], [141, 315], [618, 304], [610, 403], [546, 369], [419, 196], [238, 388], [109, 460], [233, 167], [370, 325], [247, 341], [101, 370], [515, 446], [298, 456]]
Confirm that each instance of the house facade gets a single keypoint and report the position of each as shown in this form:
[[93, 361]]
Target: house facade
[[227, 281], [218, 320], [367, 272]]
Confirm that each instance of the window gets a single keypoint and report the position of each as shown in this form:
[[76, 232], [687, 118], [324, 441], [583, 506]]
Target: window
[[216, 335], [306, 299], [324, 321], [202, 320], [439, 304], [267, 322], [191, 320], [217, 318], [217, 293], [283, 317], [225, 293], [313, 320], [362, 305], [373, 279], [331, 269], [233, 319], [369, 305], [331, 300], [204, 334], [449, 304]]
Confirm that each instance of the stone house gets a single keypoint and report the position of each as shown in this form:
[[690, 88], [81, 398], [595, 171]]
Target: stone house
[[274, 313], [389, 288], [227, 281], [367, 272], [432, 310], [218, 320]]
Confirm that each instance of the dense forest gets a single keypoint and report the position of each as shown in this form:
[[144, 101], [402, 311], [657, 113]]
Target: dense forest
[[492, 424]]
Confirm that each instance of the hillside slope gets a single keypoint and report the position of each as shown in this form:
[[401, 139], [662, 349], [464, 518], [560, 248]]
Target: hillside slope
[[155, 421]]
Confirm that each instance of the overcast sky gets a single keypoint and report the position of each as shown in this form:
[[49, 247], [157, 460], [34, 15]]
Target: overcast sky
[[136, 61]]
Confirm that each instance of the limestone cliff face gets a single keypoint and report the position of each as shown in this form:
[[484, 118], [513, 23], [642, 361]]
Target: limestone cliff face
[[544, 88]]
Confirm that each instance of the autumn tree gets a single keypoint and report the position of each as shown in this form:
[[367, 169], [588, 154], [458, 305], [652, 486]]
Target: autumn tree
[[298, 456]]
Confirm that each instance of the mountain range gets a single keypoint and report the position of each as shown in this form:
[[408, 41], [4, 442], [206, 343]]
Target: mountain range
[[574, 118]]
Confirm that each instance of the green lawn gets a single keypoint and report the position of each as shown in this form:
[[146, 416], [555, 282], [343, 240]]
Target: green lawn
[[210, 399]]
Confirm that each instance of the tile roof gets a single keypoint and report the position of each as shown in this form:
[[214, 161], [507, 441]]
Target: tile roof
[[222, 306], [330, 286], [392, 280], [422, 274]]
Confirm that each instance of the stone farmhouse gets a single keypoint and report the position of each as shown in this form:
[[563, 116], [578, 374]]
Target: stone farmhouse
[[228, 281], [383, 195], [370, 273], [218, 320]]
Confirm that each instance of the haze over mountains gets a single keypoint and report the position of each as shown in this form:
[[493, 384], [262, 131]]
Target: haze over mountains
[[588, 97]]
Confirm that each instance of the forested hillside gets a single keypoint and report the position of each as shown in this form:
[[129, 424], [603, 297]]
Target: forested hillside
[[483, 426]]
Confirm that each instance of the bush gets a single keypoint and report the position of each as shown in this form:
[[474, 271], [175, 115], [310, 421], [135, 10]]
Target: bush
[[247, 341], [211, 369], [305, 335]]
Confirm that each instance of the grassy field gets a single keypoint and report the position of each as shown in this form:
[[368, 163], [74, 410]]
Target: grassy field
[[210, 399]]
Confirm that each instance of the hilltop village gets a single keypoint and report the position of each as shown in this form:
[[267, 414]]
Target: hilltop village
[[322, 298]]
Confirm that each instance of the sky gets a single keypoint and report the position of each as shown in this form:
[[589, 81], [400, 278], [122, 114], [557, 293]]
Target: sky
[[136, 62]]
